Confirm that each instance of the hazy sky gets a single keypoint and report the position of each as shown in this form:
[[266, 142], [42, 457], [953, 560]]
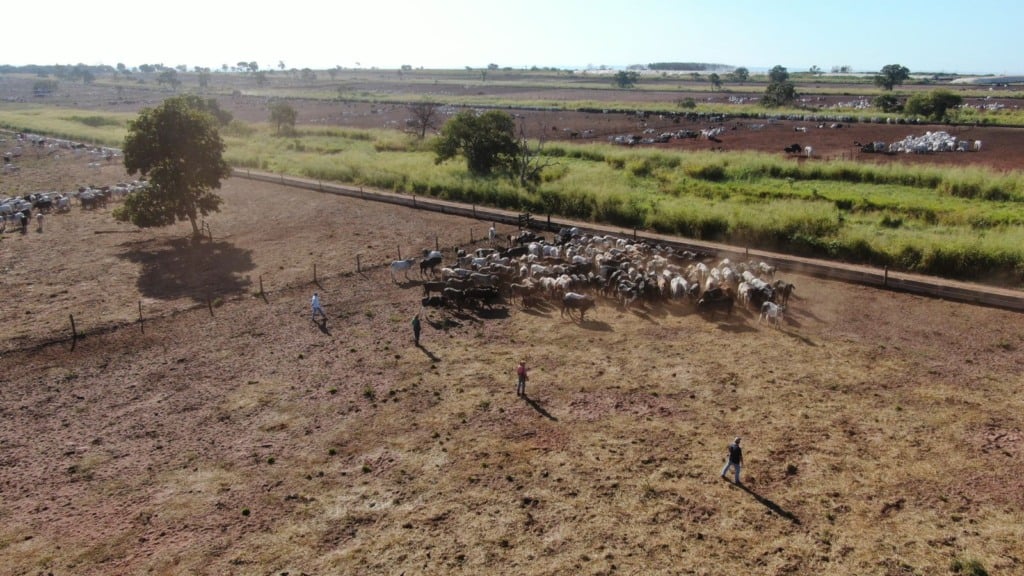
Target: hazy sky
[[960, 36]]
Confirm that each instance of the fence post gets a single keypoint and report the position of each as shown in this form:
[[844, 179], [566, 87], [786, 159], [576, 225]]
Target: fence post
[[209, 305], [437, 244], [399, 252], [141, 326], [885, 277], [471, 235], [413, 200], [358, 266]]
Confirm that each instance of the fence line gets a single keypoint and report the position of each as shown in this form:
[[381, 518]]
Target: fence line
[[915, 284]]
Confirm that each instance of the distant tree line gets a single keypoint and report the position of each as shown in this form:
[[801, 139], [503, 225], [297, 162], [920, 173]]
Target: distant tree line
[[687, 66]]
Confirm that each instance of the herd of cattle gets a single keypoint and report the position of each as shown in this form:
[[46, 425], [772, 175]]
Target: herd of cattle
[[575, 269], [17, 211]]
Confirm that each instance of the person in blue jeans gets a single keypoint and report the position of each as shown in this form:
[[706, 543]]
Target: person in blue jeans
[[521, 373], [735, 459], [318, 309]]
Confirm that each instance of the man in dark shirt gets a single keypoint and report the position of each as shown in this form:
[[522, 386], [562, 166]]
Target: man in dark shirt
[[735, 459]]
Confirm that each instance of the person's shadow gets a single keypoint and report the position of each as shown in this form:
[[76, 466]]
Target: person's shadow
[[322, 325], [429, 354], [540, 409], [769, 504]]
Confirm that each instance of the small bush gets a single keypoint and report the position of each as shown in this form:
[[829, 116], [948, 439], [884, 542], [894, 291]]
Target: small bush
[[968, 567]]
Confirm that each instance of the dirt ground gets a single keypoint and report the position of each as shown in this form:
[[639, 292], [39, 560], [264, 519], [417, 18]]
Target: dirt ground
[[226, 433]]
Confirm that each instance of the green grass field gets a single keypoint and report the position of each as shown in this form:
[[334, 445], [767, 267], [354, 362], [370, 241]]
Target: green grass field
[[964, 224]]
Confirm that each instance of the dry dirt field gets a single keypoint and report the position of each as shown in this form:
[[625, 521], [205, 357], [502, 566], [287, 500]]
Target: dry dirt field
[[228, 434]]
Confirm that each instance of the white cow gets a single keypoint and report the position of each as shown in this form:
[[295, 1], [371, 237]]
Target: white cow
[[401, 266]]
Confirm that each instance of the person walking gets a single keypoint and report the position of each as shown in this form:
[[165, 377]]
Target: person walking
[[416, 329], [317, 308], [735, 459], [521, 373]]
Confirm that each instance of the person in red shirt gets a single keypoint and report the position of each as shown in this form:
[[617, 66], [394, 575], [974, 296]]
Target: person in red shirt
[[521, 373]]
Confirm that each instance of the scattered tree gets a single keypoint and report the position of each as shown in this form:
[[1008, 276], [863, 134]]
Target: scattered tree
[[816, 71], [282, 116], [211, 107], [181, 68], [204, 78], [780, 90], [307, 74], [625, 79], [887, 103], [740, 75], [424, 117], [169, 76], [716, 81], [935, 105], [261, 79], [487, 141], [177, 147], [529, 162], [687, 103], [891, 76], [44, 87], [280, 65]]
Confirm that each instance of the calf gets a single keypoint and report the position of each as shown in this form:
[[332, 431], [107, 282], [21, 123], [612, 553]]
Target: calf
[[771, 312]]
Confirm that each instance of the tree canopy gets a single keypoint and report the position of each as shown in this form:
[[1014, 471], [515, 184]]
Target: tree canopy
[[781, 90], [740, 75], [891, 76], [934, 105], [283, 116], [487, 141], [177, 147]]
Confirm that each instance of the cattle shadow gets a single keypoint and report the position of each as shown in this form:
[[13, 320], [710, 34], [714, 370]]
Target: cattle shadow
[[492, 313], [179, 268], [734, 325], [769, 504], [595, 325], [540, 409], [534, 311]]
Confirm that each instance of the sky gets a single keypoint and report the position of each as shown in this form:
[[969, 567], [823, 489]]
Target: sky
[[951, 36]]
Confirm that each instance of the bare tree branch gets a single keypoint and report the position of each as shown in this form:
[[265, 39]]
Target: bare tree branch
[[424, 117]]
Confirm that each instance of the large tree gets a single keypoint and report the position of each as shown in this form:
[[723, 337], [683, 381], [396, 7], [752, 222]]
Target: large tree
[[177, 147], [283, 116], [891, 76], [781, 90], [487, 141]]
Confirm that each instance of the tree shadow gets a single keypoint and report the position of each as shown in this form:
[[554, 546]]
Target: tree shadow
[[540, 409], [179, 268], [769, 504]]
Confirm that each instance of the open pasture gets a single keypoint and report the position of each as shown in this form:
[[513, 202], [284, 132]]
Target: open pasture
[[228, 434]]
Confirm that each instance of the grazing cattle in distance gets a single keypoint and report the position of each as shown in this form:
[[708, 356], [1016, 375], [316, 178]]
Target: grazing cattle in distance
[[402, 266], [575, 301], [793, 149], [771, 312]]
